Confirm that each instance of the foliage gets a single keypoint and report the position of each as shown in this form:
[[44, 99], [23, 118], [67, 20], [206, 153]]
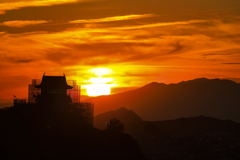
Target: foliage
[[115, 125]]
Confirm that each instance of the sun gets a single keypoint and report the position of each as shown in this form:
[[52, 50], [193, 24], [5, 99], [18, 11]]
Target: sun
[[99, 84], [94, 90]]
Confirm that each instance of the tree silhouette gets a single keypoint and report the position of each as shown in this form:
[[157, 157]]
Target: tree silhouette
[[115, 125]]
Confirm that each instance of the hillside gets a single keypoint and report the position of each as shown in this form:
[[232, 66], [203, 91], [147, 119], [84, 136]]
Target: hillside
[[127, 117], [198, 137], [157, 101]]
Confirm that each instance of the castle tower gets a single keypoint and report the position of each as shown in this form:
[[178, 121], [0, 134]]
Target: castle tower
[[54, 89], [53, 85]]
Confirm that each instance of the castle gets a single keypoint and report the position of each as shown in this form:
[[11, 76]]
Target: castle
[[58, 91]]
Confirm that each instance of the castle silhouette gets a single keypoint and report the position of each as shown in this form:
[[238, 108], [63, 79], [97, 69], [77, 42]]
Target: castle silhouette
[[56, 91]]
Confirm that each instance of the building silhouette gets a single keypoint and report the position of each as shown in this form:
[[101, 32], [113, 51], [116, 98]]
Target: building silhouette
[[57, 91], [53, 85]]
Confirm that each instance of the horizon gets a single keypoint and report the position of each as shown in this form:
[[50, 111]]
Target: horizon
[[114, 90]]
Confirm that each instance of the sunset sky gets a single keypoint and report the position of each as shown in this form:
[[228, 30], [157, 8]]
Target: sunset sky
[[134, 42]]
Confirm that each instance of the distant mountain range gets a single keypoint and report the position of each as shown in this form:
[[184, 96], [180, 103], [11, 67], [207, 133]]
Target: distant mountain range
[[190, 125], [157, 101]]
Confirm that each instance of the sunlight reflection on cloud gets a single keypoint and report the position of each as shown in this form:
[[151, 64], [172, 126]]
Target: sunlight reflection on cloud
[[19, 23], [115, 18], [32, 3]]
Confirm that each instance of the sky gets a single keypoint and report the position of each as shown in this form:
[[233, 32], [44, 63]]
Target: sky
[[136, 42]]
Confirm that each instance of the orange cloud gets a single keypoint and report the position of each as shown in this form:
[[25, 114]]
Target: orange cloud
[[163, 24], [32, 3], [20, 23], [115, 18], [163, 52]]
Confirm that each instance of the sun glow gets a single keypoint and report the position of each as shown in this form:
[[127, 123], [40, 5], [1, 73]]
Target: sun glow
[[99, 85], [100, 71], [98, 89]]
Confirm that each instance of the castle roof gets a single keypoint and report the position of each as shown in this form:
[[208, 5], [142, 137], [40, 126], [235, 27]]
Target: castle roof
[[54, 82]]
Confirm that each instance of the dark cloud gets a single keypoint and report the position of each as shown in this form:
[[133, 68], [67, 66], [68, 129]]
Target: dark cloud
[[24, 61], [96, 53], [214, 54], [49, 27], [145, 74], [232, 63], [177, 47], [17, 59], [169, 11]]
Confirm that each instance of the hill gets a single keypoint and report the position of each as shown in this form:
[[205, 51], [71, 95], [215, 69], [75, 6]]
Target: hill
[[157, 101], [198, 137], [127, 117]]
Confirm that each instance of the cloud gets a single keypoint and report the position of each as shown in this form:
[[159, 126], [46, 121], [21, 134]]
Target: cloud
[[24, 61], [102, 46], [99, 53], [177, 48], [33, 3], [20, 23], [115, 18], [232, 63], [163, 24]]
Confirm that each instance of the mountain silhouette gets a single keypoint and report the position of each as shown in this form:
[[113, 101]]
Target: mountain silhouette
[[128, 117], [157, 101]]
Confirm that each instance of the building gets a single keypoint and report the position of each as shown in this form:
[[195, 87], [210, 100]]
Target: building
[[53, 85], [56, 90]]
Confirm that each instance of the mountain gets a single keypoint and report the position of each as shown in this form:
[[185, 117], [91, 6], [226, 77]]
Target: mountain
[[127, 117], [157, 101]]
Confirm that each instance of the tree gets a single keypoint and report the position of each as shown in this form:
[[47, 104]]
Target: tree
[[115, 125]]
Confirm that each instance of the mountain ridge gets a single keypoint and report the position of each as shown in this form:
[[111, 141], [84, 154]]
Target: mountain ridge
[[218, 98]]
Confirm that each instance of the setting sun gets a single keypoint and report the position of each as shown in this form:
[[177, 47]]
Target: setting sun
[[98, 89], [99, 85]]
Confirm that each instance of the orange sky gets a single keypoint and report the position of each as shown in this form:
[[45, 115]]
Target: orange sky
[[140, 41]]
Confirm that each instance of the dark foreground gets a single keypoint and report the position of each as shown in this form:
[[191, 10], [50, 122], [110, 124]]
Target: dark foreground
[[193, 138], [51, 132]]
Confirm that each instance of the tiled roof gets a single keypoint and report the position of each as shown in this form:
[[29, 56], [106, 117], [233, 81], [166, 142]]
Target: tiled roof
[[54, 82]]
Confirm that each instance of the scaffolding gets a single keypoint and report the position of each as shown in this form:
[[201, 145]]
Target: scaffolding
[[19, 102], [88, 109], [33, 92], [75, 92]]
